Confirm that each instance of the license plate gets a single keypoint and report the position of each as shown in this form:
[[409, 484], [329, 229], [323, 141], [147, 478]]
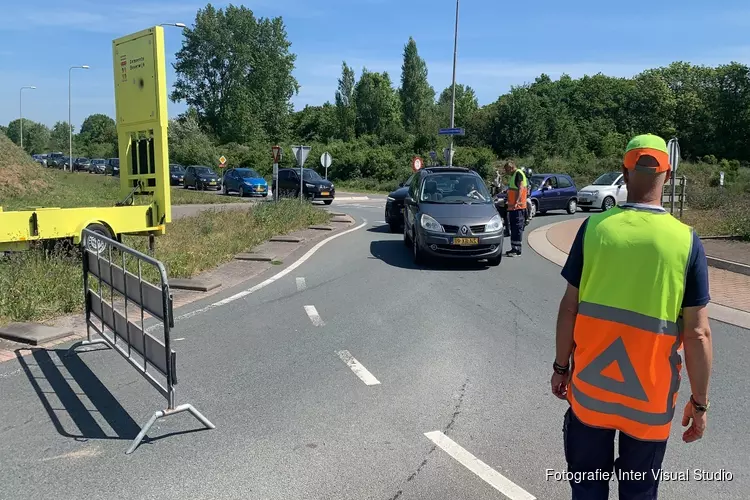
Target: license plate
[[259, 188], [324, 193], [212, 183], [466, 241]]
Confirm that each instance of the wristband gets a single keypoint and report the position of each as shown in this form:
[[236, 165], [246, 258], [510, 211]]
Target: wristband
[[560, 369], [698, 407]]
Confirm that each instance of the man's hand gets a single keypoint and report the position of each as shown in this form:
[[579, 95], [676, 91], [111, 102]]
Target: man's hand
[[697, 426], [560, 385]]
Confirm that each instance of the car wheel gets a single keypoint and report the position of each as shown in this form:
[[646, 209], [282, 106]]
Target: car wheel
[[241, 192], [226, 190], [534, 209], [185, 185], [407, 239], [608, 203], [417, 252], [572, 206], [495, 261], [327, 202]]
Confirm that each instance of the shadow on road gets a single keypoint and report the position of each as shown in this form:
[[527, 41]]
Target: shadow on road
[[64, 404], [385, 228], [394, 253]]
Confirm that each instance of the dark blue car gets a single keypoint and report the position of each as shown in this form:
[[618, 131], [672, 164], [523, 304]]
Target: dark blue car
[[245, 182], [553, 192]]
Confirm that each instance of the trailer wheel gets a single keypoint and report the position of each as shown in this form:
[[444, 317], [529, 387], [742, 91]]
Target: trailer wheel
[[96, 245]]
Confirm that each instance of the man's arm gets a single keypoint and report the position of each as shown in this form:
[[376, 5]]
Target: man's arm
[[566, 322]]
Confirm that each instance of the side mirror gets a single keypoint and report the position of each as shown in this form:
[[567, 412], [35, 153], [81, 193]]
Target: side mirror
[[400, 184]]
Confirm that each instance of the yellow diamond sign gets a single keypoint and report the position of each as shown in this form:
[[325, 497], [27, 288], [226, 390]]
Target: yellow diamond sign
[[222, 160]]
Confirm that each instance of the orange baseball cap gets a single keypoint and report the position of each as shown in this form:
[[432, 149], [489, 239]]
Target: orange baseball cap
[[647, 153]]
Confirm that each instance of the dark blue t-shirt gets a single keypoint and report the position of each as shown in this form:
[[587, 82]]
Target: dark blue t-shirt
[[696, 282]]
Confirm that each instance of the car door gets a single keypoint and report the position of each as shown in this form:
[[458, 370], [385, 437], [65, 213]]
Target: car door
[[410, 204], [548, 196], [622, 190], [567, 190], [190, 177]]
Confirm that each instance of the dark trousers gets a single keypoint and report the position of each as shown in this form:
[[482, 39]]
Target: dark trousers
[[588, 449], [517, 222]]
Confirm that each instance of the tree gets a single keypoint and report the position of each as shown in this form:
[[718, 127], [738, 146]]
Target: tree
[[315, 123], [99, 128], [236, 71], [345, 109], [59, 139], [376, 103], [3, 130], [35, 135], [417, 96]]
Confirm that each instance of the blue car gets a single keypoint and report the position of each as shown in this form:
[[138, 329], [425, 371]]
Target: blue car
[[552, 192], [245, 182]]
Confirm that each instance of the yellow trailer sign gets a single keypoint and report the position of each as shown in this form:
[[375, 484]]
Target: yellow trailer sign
[[141, 108]]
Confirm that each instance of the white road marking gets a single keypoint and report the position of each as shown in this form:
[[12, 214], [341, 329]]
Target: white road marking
[[181, 338], [265, 283], [380, 222], [359, 370], [314, 316], [481, 469], [301, 285]]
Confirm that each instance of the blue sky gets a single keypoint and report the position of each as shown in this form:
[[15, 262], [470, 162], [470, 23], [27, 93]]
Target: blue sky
[[500, 43]]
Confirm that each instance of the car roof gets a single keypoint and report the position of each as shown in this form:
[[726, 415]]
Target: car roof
[[441, 169]]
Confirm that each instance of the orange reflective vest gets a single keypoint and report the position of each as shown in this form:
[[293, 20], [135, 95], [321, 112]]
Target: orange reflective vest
[[626, 369], [517, 195]]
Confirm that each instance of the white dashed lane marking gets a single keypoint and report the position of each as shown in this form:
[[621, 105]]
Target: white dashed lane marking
[[314, 316], [301, 285], [359, 370], [481, 469]]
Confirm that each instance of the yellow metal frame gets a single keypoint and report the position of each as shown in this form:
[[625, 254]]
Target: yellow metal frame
[[141, 109]]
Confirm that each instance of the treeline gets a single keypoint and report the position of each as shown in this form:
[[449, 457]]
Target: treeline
[[96, 139]]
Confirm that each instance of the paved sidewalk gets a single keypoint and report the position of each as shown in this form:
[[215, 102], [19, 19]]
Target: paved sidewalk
[[727, 288]]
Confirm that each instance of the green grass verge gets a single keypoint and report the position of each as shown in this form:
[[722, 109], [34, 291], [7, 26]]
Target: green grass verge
[[34, 288], [77, 189], [366, 186]]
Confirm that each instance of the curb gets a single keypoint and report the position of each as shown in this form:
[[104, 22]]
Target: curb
[[538, 242], [728, 265]]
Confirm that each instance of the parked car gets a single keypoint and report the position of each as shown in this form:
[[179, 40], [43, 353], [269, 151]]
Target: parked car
[[40, 159], [455, 221], [98, 166], [201, 178], [604, 193], [314, 187], [54, 160], [245, 181], [113, 167], [394, 206], [176, 174], [552, 192], [81, 164]]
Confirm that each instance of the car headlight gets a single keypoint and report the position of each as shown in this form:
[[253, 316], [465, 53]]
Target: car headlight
[[332, 185], [309, 186], [390, 198], [495, 224], [431, 224]]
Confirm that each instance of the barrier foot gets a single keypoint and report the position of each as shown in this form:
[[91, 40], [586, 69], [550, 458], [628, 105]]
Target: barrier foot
[[82, 343], [164, 413]]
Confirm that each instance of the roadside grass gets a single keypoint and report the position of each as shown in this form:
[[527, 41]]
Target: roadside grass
[[367, 186], [36, 288], [79, 189]]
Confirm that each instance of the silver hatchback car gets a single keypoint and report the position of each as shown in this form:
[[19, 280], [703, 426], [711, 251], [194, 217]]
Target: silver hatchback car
[[449, 213]]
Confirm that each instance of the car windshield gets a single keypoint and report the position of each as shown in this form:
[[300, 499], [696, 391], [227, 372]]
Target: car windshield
[[249, 174], [203, 171], [98, 162], [454, 187], [176, 169], [606, 179], [536, 181], [311, 175]]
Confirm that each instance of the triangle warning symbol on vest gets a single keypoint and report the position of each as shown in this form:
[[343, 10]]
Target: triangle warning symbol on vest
[[612, 371]]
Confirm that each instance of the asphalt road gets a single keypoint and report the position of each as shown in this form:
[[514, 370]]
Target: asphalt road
[[457, 351]]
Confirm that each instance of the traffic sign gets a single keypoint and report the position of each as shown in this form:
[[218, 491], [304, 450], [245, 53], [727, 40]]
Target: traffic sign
[[325, 160], [222, 160], [451, 131], [300, 154], [673, 147], [416, 163], [276, 151]]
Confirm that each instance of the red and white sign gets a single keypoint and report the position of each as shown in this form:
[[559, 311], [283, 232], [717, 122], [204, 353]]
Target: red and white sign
[[222, 161], [416, 163], [276, 150]]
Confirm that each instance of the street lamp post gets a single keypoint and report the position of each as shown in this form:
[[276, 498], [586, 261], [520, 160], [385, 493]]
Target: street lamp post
[[20, 108], [453, 97], [70, 124], [176, 25]]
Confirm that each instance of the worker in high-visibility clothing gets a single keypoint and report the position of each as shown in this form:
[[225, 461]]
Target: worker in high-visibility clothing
[[637, 291], [516, 202]]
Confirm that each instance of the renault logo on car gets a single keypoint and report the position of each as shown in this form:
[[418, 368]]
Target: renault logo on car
[[464, 229]]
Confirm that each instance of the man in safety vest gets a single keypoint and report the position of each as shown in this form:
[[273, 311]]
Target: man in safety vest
[[516, 200], [637, 291]]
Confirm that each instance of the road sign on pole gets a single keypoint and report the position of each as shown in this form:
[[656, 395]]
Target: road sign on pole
[[673, 148], [300, 153], [416, 163], [452, 131], [222, 160], [325, 161], [276, 151]]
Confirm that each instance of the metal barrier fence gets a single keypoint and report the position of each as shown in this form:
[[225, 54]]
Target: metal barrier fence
[[123, 328]]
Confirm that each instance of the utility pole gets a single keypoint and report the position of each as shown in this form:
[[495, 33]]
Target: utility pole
[[453, 98], [20, 108]]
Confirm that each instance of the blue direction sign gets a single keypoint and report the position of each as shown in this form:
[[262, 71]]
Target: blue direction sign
[[451, 131]]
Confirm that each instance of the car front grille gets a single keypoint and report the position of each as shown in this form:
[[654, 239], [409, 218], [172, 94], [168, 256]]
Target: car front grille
[[461, 250], [454, 229], [450, 229], [477, 229]]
